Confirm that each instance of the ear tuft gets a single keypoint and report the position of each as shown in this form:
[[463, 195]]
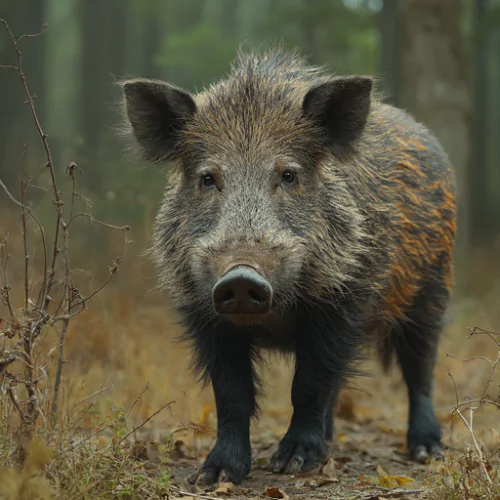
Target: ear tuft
[[341, 107], [157, 113]]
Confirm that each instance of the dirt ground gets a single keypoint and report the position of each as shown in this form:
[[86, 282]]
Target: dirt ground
[[367, 459], [351, 470]]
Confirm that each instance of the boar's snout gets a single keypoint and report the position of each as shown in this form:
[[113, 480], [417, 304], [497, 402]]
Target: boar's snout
[[242, 291]]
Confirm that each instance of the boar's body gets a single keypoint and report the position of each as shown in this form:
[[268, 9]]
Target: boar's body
[[302, 214]]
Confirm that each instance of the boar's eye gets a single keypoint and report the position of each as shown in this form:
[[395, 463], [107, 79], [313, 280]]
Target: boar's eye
[[207, 180], [289, 177]]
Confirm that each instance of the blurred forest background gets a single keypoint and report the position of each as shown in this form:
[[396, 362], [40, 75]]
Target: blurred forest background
[[439, 59]]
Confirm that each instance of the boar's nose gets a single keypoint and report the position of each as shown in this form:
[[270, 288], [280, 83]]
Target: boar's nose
[[242, 290]]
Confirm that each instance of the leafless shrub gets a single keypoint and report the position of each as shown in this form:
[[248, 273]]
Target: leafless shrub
[[474, 474], [55, 300]]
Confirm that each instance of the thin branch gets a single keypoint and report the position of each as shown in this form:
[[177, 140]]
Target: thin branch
[[471, 431], [32, 35], [112, 271], [193, 495], [96, 221], [40, 227], [137, 400], [135, 429], [66, 317], [490, 376], [476, 330], [49, 164], [472, 358], [477, 400], [60, 362], [64, 329], [25, 231], [15, 402], [479, 331]]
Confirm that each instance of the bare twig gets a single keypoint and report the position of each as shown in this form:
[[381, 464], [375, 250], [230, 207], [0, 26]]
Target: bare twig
[[188, 494], [477, 400], [60, 362], [137, 400], [480, 331], [15, 403], [33, 35], [135, 429], [25, 231], [49, 163], [476, 330], [469, 427], [112, 271], [98, 222], [490, 376], [467, 360], [33, 216]]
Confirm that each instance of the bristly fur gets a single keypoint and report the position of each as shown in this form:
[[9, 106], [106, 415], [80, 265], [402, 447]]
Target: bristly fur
[[360, 250], [395, 190]]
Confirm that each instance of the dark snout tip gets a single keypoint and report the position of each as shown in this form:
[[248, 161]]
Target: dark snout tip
[[242, 291]]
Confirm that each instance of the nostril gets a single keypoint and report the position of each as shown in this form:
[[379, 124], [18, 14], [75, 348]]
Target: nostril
[[226, 296], [256, 296]]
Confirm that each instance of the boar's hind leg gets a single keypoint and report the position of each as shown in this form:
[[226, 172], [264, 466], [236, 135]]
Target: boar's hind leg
[[226, 358], [325, 345], [416, 344]]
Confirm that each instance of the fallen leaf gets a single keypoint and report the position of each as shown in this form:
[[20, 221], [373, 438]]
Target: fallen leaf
[[329, 469], [275, 492], [327, 480], [392, 481], [224, 489]]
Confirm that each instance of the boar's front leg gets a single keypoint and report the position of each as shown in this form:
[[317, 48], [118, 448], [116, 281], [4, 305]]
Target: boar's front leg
[[326, 343], [225, 357]]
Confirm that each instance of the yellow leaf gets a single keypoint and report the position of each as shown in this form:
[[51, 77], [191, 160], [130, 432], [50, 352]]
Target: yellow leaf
[[224, 489], [392, 481]]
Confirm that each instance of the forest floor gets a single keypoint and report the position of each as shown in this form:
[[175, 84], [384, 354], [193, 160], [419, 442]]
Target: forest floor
[[124, 365], [366, 463]]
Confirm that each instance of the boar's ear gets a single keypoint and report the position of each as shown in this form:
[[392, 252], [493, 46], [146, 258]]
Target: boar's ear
[[157, 112], [341, 106]]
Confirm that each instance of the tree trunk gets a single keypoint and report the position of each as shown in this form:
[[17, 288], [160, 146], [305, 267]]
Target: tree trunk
[[495, 128], [103, 51], [390, 53], [435, 88], [478, 178]]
